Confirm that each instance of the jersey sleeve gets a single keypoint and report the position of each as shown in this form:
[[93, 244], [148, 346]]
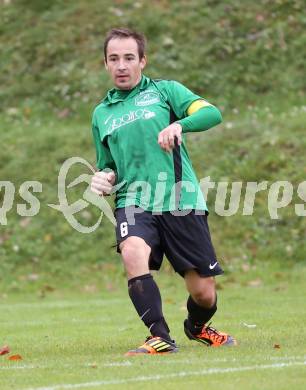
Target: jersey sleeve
[[103, 154], [202, 119], [193, 112], [180, 98]]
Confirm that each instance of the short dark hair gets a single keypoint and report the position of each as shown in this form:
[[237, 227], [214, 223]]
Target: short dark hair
[[126, 33]]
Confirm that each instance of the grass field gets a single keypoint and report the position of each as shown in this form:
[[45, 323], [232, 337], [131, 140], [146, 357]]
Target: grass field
[[70, 341], [63, 301]]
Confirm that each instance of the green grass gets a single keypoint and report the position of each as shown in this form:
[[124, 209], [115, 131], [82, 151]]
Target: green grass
[[62, 293], [52, 77], [74, 338], [261, 144], [229, 52]]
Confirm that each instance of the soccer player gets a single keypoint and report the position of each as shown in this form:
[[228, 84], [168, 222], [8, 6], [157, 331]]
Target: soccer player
[[139, 130]]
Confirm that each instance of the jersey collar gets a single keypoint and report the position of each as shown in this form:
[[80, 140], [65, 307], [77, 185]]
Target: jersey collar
[[115, 95]]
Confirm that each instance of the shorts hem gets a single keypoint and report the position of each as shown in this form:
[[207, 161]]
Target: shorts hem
[[203, 274], [133, 235]]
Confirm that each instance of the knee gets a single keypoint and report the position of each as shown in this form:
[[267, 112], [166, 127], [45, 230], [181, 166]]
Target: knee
[[134, 249], [135, 254], [205, 298], [201, 289], [128, 251]]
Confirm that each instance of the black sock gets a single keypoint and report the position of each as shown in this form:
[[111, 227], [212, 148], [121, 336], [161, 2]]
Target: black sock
[[198, 316], [146, 298]]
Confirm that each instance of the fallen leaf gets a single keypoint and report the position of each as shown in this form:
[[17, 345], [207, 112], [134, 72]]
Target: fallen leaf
[[276, 346], [15, 357], [48, 237], [4, 350], [94, 365]]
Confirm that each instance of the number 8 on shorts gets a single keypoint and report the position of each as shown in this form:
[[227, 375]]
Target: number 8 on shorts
[[124, 229]]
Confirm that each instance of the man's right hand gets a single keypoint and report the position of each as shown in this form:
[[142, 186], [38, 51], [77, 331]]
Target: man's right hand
[[102, 182]]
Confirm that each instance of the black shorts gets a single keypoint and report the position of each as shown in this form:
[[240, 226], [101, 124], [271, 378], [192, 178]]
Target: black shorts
[[184, 239]]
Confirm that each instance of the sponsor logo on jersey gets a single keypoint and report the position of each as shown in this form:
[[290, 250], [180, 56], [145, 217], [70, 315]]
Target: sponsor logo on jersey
[[147, 98], [130, 117], [107, 120]]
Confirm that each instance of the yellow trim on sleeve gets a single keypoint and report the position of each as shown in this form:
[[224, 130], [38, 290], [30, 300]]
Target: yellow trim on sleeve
[[196, 105]]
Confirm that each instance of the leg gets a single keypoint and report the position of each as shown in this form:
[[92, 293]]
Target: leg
[[187, 244], [202, 305], [202, 289], [143, 290], [202, 301], [135, 255]]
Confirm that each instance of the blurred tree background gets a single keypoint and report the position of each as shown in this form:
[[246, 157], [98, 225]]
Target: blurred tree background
[[246, 57]]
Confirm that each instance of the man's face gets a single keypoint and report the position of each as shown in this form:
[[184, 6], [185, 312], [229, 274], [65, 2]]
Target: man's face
[[123, 63]]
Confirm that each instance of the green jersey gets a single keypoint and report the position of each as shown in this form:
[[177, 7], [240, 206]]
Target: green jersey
[[125, 127]]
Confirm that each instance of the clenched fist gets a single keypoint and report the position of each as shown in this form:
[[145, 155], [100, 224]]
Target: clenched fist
[[102, 182], [166, 137]]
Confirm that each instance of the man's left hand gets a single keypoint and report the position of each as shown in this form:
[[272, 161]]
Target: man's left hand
[[166, 137]]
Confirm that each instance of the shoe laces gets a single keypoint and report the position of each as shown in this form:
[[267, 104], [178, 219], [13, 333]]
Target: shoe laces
[[149, 338], [212, 333], [153, 337]]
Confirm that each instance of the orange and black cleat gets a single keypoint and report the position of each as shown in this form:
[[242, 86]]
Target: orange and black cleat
[[153, 346], [210, 336]]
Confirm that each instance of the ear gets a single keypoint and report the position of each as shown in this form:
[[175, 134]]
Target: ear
[[105, 64], [143, 62]]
